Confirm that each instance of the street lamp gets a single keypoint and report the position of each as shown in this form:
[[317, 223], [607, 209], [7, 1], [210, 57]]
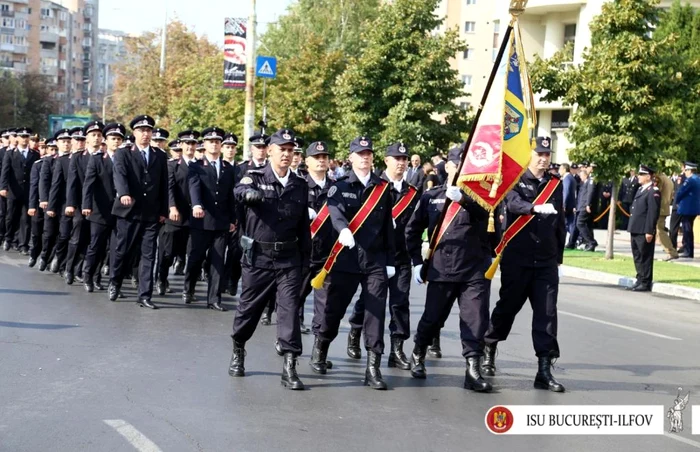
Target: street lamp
[[104, 107]]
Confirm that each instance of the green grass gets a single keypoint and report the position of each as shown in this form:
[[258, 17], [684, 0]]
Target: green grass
[[664, 272]]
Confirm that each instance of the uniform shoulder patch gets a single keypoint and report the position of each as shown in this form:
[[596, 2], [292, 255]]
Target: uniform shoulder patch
[[247, 180], [332, 191], [254, 171]]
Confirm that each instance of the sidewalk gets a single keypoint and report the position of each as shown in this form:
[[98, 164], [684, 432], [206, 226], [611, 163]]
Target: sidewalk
[[621, 247]]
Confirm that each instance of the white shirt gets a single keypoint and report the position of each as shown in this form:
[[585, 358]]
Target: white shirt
[[645, 186], [24, 152], [397, 185], [259, 164], [364, 179], [283, 180], [187, 161], [321, 183]]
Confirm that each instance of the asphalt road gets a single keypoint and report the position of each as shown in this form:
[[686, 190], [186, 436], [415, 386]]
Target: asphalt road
[[80, 373]]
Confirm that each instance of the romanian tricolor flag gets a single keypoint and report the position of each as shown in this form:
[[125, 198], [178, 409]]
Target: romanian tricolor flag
[[499, 150]]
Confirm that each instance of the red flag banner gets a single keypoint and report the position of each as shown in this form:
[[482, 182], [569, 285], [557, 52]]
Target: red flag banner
[[234, 52]]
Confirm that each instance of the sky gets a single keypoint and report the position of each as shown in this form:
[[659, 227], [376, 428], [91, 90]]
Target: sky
[[205, 17]]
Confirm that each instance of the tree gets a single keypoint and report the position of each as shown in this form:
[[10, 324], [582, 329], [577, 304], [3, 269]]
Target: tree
[[623, 92], [27, 100], [402, 86]]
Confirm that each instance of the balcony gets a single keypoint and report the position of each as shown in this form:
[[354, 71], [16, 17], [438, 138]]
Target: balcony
[[6, 64], [8, 13], [541, 7], [49, 70], [47, 36]]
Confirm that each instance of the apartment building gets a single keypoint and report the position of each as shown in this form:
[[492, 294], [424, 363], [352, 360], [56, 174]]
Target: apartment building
[[111, 50], [546, 27]]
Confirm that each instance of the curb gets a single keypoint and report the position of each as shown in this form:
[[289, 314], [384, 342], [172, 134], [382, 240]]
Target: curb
[[673, 290]]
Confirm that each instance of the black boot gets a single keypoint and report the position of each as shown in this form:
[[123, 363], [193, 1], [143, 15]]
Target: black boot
[[373, 376], [98, 282], [488, 363], [473, 379], [32, 262], [397, 358], [418, 362], [70, 278], [89, 285], [180, 268], [290, 379], [54, 266], [237, 366], [278, 348], [354, 350], [160, 288], [266, 318], [113, 291], [318, 356], [544, 378], [434, 350], [42, 265]]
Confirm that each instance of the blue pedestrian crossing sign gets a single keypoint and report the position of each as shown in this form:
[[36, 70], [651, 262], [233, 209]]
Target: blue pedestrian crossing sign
[[266, 67]]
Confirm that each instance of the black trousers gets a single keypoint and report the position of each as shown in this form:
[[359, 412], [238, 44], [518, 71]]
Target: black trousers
[[541, 286], [232, 267], [473, 299], [56, 240], [688, 235], [584, 224], [172, 243], [573, 232], [213, 244], [643, 254], [258, 286], [625, 219], [17, 221], [319, 296], [78, 243], [36, 243], [675, 227], [399, 305], [129, 235], [3, 217], [97, 249], [340, 288]]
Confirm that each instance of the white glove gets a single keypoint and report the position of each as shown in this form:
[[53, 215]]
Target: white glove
[[416, 273], [312, 214], [545, 209], [346, 239], [394, 221], [390, 271], [454, 193]]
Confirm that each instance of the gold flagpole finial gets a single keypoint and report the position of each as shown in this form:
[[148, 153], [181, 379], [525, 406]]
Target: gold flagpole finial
[[517, 7]]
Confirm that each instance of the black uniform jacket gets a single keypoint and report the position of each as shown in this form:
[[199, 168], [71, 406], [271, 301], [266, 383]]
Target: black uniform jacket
[[76, 179], [34, 184], [15, 174], [45, 178], [213, 194], [401, 256], [98, 189], [465, 244], [282, 217], [374, 241], [147, 186], [59, 182], [645, 211], [179, 190], [325, 238], [541, 242]]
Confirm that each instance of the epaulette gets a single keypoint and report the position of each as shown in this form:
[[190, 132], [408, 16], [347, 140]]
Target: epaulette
[[98, 152], [172, 159], [40, 160], [557, 175], [341, 178], [257, 172]]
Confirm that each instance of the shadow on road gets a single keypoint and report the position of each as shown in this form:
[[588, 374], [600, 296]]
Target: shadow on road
[[36, 326], [32, 292]]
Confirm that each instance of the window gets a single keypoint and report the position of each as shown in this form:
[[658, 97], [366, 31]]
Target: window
[[468, 54], [469, 27], [45, 12], [560, 119], [496, 33], [569, 33], [464, 105], [471, 2], [4, 7], [8, 23], [467, 80]]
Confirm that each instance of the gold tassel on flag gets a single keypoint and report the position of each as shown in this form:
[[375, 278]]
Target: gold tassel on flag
[[491, 272], [317, 282], [492, 223]]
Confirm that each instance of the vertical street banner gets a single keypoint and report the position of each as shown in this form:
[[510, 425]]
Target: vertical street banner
[[234, 52]]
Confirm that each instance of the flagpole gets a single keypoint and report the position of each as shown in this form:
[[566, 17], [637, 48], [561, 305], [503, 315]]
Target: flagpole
[[443, 213]]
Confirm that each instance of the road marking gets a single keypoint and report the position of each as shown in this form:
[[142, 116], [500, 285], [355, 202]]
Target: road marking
[[624, 327], [687, 441], [135, 438]]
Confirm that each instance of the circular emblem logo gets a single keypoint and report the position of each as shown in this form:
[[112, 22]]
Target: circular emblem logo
[[545, 143], [332, 191], [481, 155], [363, 143], [402, 149], [320, 147], [286, 136], [499, 419]]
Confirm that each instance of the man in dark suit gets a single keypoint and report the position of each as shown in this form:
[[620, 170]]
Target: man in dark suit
[[628, 188], [584, 217], [141, 204], [232, 267], [258, 152], [97, 202], [211, 182], [642, 228], [439, 164], [14, 185], [35, 212], [570, 188], [52, 191], [90, 139], [3, 202], [415, 175]]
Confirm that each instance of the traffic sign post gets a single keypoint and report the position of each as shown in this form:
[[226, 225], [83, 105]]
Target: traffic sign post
[[266, 67]]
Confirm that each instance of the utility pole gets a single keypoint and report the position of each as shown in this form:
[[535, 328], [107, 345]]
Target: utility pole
[[249, 117], [163, 38]]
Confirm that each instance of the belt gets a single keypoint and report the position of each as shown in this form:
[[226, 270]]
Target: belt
[[277, 246]]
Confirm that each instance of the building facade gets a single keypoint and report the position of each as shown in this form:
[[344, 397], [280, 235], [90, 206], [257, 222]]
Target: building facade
[[547, 26], [110, 51]]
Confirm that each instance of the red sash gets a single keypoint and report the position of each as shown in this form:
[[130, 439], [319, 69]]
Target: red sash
[[319, 220], [403, 203], [520, 223], [355, 224]]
